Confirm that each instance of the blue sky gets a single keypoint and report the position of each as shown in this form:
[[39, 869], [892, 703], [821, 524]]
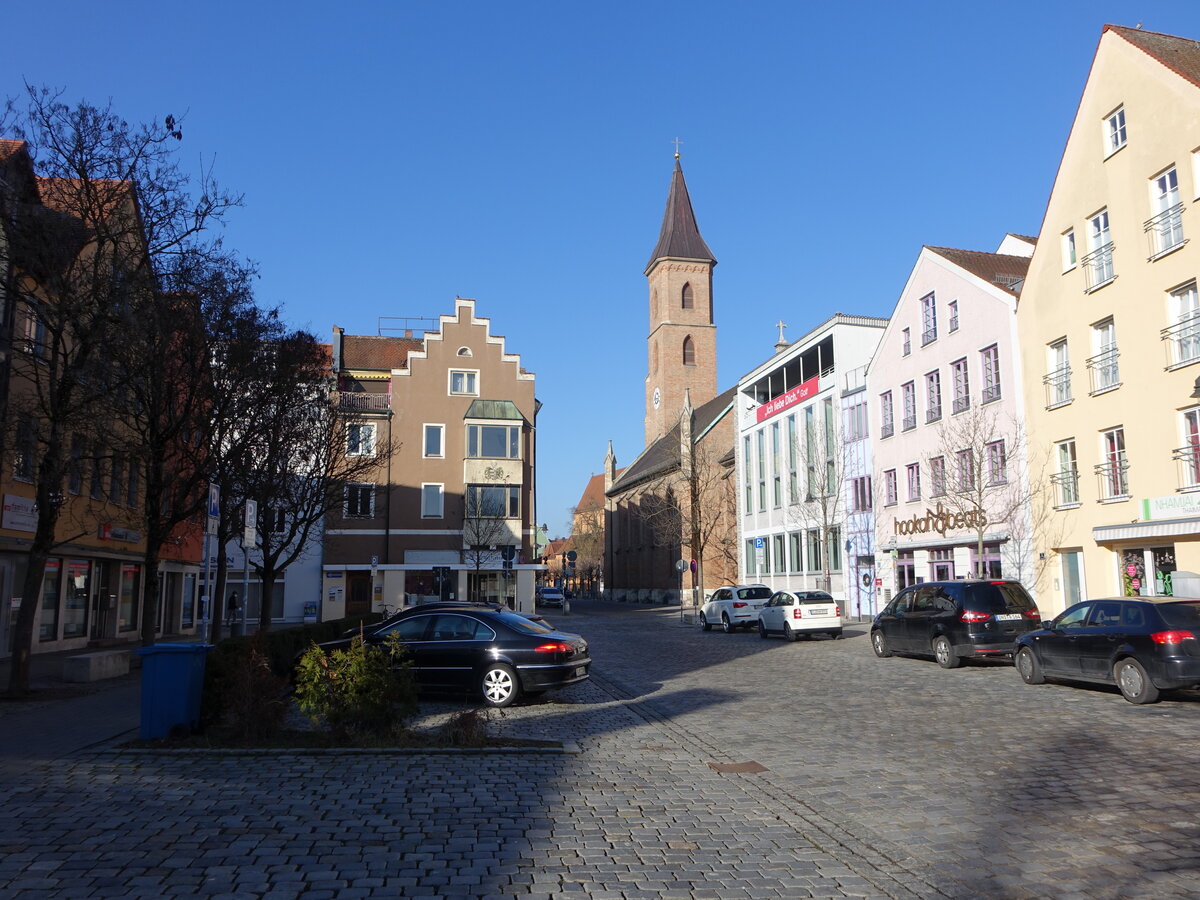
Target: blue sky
[[394, 155]]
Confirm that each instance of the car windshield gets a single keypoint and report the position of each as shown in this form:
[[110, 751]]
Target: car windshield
[[998, 597], [1181, 615], [754, 593], [522, 624]]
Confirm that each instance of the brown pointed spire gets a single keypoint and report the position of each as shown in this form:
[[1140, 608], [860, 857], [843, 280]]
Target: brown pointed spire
[[680, 235]]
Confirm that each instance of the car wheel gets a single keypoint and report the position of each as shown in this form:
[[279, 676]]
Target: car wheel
[[1028, 667], [879, 645], [836, 635], [943, 652], [499, 685], [726, 625], [792, 636], [705, 625], [1135, 684], [762, 630]]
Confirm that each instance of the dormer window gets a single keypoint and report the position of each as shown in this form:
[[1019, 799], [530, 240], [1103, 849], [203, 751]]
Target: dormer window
[[688, 302]]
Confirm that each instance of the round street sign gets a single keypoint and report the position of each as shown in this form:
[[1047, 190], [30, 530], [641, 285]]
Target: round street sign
[[680, 565]]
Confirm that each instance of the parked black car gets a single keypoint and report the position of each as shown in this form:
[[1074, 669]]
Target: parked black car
[[488, 650], [1142, 645], [954, 620]]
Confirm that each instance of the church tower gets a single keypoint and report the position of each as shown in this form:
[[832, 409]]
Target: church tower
[[683, 339]]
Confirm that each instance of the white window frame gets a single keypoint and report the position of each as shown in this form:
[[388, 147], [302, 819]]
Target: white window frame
[[426, 511], [1066, 478], [472, 389], [369, 488], [1070, 250], [952, 323], [359, 447], [997, 462], [440, 430], [1115, 131], [928, 319], [891, 490], [906, 341], [989, 362], [476, 428], [912, 476]]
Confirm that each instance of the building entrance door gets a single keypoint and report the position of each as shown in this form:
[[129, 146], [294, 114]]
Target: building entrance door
[[358, 593], [1072, 583]]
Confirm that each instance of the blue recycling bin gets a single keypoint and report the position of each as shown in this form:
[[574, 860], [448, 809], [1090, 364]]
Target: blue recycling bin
[[172, 685]]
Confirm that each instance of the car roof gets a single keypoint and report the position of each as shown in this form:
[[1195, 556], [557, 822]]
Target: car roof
[[1158, 600]]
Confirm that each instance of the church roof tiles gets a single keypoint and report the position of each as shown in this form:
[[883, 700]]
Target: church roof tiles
[[679, 236]]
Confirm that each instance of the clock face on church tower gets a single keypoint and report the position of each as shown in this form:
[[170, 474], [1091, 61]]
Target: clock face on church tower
[[657, 398]]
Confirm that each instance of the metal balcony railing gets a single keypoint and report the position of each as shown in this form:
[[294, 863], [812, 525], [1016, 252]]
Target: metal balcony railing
[[1103, 372], [1098, 265], [990, 393], [1066, 485], [1183, 340], [962, 403], [928, 336], [909, 422], [1058, 387], [1165, 231], [1188, 459], [358, 401], [933, 413], [1113, 478], [887, 430]]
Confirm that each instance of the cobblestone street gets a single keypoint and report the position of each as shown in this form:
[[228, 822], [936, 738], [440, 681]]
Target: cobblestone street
[[859, 777]]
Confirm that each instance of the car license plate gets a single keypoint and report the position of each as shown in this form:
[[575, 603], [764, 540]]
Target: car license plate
[[1008, 617], [818, 612], [581, 670]]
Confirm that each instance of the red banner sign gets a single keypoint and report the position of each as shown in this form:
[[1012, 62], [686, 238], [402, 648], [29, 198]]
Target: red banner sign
[[796, 395]]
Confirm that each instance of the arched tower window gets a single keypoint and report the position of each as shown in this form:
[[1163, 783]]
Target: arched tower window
[[654, 358], [689, 352], [653, 303], [688, 302]]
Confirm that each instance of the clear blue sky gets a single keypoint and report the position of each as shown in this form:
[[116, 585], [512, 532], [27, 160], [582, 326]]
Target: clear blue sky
[[394, 155]]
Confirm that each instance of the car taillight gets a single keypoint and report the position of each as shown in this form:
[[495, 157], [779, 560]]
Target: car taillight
[[837, 611], [1172, 637], [553, 647], [738, 604], [1033, 614], [969, 616]]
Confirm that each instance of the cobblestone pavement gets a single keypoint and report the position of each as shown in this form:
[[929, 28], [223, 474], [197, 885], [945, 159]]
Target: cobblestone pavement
[[868, 778]]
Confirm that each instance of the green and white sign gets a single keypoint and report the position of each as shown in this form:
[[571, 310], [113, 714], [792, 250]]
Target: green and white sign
[[1176, 506]]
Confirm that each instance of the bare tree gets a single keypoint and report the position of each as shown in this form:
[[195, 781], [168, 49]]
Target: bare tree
[[486, 523], [979, 477], [817, 486], [87, 247], [587, 539]]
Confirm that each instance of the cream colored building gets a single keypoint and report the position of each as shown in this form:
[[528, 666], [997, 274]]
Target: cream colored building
[[1109, 324]]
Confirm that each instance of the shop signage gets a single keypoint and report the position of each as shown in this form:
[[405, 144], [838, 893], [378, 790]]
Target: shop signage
[[20, 513], [796, 395], [1176, 506], [941, 520], [113, 533]]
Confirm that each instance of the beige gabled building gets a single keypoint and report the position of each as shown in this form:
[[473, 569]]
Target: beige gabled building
[[1109, 324]]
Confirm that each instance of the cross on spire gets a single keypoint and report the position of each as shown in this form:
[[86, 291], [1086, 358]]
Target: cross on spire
[[677, 142], [780, 326]]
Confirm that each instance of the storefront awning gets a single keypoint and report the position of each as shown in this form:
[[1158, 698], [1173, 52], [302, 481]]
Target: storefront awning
[[1134, 531]]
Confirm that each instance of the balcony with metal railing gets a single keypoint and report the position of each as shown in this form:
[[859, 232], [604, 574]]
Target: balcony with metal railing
[[1113, 479], [990, 392], [1058, 387], [1183, 340], [1098, 267], [359, 401], [933, 413], [961, 404], [928, 336], [887, 429], [1165, 231], [1066, 488], [909, 422], [1188, 460], [1103, 372]]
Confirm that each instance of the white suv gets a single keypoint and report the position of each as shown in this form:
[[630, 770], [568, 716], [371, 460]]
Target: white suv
[[793, 613], [734, 607]]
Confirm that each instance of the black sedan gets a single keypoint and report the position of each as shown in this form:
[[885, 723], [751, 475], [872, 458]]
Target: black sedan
[[1142, 645], [488, 650]]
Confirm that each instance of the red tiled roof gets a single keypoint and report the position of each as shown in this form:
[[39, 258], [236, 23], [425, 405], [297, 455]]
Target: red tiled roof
[[1180, 55], [1000, 269], [361, 351], [10, 148], [593, 494]]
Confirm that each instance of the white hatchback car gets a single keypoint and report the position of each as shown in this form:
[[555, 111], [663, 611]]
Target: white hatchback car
[[734, 607], [793, 613]]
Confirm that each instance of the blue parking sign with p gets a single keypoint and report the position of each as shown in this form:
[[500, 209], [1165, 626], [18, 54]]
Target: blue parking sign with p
[[214, 501], [760, 543]]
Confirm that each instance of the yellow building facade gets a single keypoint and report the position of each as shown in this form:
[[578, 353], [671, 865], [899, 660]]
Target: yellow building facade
[[1109, 325]]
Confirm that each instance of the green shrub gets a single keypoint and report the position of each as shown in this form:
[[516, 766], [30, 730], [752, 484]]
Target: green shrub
[[362, 689]]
